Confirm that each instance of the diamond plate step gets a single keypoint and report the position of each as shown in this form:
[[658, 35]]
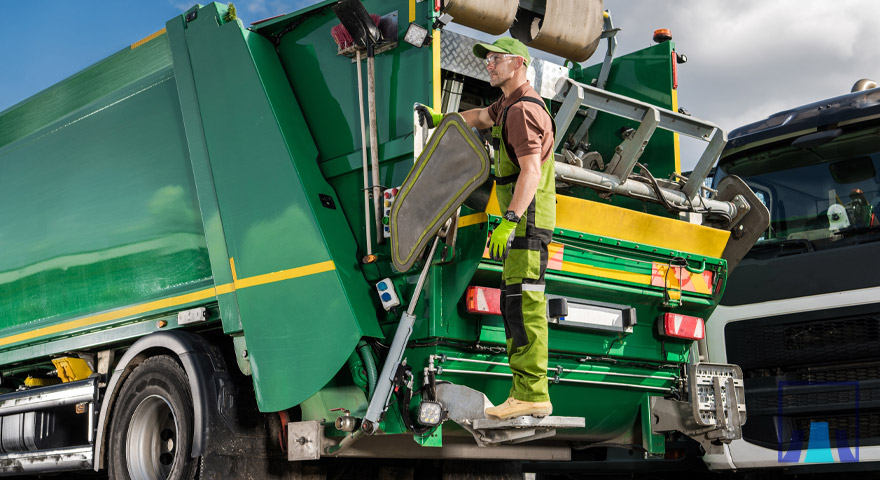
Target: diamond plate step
[[528, 421]]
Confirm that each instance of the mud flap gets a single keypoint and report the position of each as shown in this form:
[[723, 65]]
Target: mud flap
[[452, 165]]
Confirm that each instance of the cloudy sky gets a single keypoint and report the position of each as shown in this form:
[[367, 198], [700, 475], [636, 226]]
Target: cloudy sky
[[747, 59]]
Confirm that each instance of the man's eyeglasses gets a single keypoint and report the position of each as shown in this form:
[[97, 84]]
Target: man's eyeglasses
[[494, 59]]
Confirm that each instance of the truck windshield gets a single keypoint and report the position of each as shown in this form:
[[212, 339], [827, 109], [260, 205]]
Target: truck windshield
[[821, 197]]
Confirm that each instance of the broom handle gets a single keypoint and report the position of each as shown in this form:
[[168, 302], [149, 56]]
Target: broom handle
[[374, 142], [369, 236]]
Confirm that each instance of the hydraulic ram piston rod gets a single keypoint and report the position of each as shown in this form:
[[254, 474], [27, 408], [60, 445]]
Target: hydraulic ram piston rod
[[635, 189], [379, 402]]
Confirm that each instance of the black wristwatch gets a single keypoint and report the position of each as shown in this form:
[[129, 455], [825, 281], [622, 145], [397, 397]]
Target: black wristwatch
[[511, 217]]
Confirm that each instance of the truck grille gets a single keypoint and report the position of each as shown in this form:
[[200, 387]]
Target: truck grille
[[761, 344], [837, 374], [822, 370]]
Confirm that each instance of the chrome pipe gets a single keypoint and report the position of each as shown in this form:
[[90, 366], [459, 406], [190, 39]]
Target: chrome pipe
[[604, 182], [364, 155], [566, 370], [48, 397], [344, 444], [565, 380]]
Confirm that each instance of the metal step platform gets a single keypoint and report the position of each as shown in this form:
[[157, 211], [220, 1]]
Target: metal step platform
[[467, 407], [521, 429]]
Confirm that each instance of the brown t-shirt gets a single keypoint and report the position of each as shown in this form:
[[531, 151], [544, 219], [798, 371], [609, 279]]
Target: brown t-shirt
[[528, 128]]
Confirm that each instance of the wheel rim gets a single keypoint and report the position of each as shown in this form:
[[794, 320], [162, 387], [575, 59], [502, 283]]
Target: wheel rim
[[151, 443]]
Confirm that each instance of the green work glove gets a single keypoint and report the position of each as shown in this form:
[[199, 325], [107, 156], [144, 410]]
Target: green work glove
[[428, 115], [500, 238]]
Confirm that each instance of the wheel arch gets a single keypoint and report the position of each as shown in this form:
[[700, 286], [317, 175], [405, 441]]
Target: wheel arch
[[205, 371]]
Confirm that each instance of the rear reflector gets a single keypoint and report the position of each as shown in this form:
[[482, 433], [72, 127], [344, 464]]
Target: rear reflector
[[682, 326], [484, 300]]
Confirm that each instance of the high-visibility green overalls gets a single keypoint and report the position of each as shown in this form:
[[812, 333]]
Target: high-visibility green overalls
[[523, 304]]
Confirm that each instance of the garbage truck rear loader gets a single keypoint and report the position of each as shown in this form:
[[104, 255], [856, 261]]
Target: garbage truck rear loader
[[195, 281]]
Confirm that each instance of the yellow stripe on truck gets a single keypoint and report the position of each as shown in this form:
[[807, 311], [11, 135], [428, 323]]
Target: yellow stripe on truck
[[629, 225], [473, 219], [147, 39], [435, 67], [173, 301]]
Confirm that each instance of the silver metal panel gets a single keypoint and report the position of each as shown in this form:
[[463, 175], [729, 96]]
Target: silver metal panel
[[12, 433], [457, 56], [193, 315], [462, 404], [304, 440], [48, 397], [529, 422], [544, 75], [59, 460]]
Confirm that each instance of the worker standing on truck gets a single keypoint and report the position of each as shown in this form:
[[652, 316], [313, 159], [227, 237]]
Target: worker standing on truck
[[522, 134]]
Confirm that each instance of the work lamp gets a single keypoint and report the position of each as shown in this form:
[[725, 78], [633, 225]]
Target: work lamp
[[417, 35]]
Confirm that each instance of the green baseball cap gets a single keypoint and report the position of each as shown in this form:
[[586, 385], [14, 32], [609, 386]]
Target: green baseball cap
[[503, 45]]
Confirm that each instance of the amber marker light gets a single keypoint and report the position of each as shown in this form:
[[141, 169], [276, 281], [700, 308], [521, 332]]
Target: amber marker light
[[662, 35]]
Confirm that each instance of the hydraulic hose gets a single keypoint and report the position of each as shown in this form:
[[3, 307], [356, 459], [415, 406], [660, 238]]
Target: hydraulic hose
[[369, 366]]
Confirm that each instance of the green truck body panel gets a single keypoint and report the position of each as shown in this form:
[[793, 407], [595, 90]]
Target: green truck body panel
[[267, 186], [643, 75], [100, 212], [220, 167]]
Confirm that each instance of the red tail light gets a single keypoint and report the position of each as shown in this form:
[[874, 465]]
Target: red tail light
[[484, 300], [682, 326]]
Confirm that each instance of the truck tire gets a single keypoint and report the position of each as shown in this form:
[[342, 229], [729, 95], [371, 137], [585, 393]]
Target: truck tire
[[151, 430]]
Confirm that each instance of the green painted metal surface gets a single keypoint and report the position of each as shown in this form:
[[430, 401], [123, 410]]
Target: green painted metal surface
[[99, 210], [90, 85], [644, 75], [268, 188], [126, 187], [325, 86]]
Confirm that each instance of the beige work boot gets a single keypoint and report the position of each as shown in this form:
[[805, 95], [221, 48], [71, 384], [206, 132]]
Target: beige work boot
[[516, 408]]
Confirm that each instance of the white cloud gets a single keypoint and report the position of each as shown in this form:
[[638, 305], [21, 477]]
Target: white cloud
[[751, 58], [256, 6], [259, 9], [182, 5]]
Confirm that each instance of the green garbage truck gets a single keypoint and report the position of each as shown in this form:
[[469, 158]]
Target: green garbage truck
[[236, 251]]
